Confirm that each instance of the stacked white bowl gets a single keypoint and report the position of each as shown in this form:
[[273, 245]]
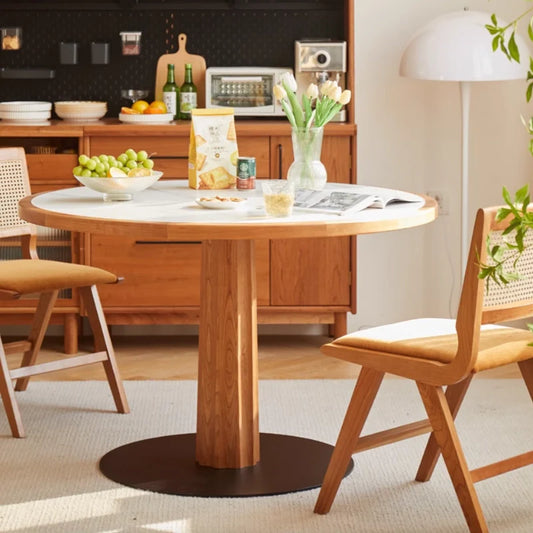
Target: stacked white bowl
[[80, 110], [20, 112]]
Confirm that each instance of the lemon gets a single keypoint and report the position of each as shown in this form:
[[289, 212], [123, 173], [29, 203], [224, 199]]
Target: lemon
[[140, 106], [137, 172], [115, 172]]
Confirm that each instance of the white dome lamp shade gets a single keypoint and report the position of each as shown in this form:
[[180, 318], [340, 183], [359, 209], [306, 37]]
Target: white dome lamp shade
[[457, 47]]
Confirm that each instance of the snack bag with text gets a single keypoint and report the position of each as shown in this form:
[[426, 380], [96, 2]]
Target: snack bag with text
[[213, 149]]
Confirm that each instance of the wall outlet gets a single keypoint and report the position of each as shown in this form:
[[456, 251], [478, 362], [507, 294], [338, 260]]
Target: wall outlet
[[442, 200]]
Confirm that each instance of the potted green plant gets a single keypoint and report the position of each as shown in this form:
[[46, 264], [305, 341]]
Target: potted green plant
[[503, 257]]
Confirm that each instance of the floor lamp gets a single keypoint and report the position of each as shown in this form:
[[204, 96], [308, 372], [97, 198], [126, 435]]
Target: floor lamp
[[457, 47]]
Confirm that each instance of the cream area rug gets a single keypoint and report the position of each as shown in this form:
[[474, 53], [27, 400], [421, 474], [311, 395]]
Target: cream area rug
[[50, 482]]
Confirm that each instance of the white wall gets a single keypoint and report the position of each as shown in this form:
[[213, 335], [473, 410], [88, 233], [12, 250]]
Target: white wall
[[409, 137]]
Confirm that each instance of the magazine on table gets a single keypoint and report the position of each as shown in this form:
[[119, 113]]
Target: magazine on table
[[339, 202]]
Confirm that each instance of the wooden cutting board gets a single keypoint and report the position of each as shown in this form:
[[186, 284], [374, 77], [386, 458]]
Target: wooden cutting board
[[179, 59]]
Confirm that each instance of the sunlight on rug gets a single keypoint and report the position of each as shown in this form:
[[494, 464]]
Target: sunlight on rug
[[50, 481]]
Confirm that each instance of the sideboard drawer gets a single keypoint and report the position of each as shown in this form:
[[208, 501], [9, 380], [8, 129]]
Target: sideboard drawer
[[171, 146], [52, 168], [161, 274]]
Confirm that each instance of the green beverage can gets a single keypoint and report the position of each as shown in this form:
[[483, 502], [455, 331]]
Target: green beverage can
[[246, 173]]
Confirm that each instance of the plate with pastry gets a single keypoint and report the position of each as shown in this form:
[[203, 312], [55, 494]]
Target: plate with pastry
[[221, 202]]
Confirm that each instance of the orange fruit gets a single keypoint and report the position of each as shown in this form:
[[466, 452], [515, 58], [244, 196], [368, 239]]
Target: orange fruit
[[129, 111], [158, 104], [140, 106], [153, 111]]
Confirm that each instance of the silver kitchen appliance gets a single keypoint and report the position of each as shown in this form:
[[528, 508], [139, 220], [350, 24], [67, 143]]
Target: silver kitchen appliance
[[316, 61], [247, 90]]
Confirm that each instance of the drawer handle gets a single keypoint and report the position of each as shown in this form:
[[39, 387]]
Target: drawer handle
[[280, 161], [168, 242], [170, 157]]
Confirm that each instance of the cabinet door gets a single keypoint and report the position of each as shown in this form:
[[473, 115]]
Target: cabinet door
[[160, 274], [312, 271]]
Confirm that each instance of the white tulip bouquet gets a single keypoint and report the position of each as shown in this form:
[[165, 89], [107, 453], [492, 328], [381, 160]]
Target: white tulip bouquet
[[318, 106]]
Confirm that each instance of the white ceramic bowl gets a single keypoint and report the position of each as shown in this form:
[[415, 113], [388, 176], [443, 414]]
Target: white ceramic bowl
[[24, 116], [25, 106], [115, 189], [161, 118], [80, 110]]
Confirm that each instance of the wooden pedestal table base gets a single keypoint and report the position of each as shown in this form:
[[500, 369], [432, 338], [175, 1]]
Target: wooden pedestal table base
[[227, 456]]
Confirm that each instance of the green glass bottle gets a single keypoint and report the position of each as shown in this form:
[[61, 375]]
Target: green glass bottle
[[171, 93], [188, 94]]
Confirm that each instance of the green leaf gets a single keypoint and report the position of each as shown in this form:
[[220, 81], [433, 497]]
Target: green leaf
[[503, 48], [506, 196], [494, 19], [513, 48], [502, 213], [495, 43], [530, 29], [521, 194], [529, 92]]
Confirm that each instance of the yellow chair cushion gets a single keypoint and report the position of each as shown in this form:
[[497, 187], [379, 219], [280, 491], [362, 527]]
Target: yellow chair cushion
[[498, 346], [28, 276]]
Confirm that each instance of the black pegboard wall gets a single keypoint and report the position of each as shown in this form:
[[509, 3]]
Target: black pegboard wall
[[223, 37]]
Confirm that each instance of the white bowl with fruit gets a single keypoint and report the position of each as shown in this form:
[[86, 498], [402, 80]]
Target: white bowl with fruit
[[117, 177], [141, 112]]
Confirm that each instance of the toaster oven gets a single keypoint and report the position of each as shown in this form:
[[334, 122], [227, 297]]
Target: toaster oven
[[248, 90]]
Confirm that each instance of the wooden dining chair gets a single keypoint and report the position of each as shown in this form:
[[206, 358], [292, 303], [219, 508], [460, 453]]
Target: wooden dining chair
[[436, 353], [33, 276]]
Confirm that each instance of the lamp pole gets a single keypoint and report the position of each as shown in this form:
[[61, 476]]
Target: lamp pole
[[465, 120]]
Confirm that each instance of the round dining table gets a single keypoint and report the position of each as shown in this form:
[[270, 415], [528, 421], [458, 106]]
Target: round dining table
[[227, 455]]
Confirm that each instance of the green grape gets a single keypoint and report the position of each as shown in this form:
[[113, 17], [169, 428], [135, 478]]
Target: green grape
[[103, 158], [77, 170], [142, 155], [119, 164], [86, 173], [99, 168], [91, 164], [94, 175], [82, 160], [132, 154], [123, 158], [106, 165], [131, 164], [112, 161], [148, 163]]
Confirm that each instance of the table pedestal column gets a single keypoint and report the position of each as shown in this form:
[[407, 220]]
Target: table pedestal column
[[227, 433], [222, 458]]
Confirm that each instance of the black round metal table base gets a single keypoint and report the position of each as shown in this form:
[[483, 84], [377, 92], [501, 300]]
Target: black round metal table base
[[167, 465]]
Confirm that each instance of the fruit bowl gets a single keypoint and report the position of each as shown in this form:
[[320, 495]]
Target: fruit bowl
[[119, 189], [80, 110]]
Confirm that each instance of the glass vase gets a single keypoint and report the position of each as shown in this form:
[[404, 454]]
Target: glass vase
[[307, 171]]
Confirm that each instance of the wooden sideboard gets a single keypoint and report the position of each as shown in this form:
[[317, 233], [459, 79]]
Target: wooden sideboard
[[307, 281], [299, 281]]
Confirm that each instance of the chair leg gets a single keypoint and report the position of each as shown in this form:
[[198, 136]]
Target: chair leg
[[526, 369], [102, 342], [363, 396], [41, 319], [7, 393], [446, 435], [454, 396]]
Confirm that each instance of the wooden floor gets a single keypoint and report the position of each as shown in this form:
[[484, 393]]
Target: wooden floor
[[175, 357]]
